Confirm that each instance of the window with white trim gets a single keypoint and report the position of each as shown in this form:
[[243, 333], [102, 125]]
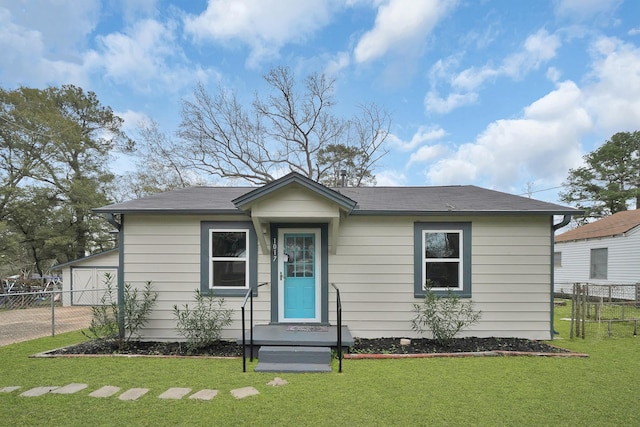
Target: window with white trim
[[442, 258], [228, 257]]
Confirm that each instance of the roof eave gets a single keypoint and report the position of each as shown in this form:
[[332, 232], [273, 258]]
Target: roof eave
[[172, 211], [458, 212]]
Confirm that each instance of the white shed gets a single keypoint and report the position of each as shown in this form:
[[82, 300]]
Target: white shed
[[84, 278]]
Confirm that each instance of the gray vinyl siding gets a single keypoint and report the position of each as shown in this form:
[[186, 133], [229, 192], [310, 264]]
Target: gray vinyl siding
[[373, 267], [511, 278]]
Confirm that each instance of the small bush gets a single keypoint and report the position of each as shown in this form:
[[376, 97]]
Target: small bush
[[137, 308], [202, 325], [443, 316], [104, 317]]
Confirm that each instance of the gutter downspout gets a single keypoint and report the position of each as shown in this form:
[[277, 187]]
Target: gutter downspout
[[554, 228], [111, 219]]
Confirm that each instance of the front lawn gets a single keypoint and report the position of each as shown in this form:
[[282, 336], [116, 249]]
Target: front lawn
[[599, 390]]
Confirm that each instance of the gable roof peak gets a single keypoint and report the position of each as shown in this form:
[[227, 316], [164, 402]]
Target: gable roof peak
[[244, 201]]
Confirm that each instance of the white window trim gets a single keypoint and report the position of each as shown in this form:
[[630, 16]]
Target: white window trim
[[459, 260], [245, 258]]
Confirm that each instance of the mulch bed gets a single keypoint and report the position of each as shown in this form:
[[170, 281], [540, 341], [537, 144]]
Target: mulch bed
[[363, 348]]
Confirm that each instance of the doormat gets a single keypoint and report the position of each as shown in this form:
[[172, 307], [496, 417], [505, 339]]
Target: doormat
[[300, 328]]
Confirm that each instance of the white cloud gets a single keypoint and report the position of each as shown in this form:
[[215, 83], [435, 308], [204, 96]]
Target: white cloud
[[614, 96], [390, 178], [579, 10], [146, 57], [422, 135], [64, 24], [544, 142], [132, 120], [30, 39], [340, 61], [427, 153], [400, 24], [435, 104], [264, 25], [634, 31], [538, 48]]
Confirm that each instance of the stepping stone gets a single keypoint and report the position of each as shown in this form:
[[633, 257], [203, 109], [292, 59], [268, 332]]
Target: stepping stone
[[38, 391], [133, 393], [175, 393], [241, 393], [70, 388], [105, 391], [205, 394], [277, 382], [9, 389]]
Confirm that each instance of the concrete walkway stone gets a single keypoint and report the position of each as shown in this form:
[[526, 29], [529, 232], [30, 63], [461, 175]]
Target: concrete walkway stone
[[133, 393], [70, 388], [38, 391], [241, 393], [9, 389], [106, 391], [277, 382], [175, 393], [205, 394]]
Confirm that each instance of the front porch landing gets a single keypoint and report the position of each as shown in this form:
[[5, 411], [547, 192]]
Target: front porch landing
[[299, 335]]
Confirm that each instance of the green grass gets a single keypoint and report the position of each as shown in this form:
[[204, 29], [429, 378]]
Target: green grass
[[523, 391]]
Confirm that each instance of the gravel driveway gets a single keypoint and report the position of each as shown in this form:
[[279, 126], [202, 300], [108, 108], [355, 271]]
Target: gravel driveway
[[27, 324]]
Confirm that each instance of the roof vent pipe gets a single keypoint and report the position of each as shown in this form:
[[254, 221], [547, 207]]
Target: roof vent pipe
[[343, 177]]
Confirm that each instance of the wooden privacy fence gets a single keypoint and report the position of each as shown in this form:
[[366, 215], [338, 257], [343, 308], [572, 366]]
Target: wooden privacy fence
[[602, 309]]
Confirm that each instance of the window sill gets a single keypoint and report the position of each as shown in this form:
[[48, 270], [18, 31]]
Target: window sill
[[443, 293], [221, 292]]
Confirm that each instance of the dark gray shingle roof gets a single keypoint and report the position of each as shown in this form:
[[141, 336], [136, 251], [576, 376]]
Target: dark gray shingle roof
[[459, 199]]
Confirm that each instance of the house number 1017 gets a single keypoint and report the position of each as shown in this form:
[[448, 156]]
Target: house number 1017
[[275, 249]]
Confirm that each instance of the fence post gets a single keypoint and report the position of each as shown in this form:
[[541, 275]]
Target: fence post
[[573, 300], [53, 314], [585, 292]]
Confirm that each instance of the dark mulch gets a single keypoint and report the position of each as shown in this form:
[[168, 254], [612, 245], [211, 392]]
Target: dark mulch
[[364, 346]]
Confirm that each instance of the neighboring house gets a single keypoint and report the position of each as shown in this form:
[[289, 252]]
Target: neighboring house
[[378, 245], [606, 251], [83, 280]]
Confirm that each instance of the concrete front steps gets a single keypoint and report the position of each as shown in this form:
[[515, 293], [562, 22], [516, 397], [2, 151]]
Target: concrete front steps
[[293, 359]]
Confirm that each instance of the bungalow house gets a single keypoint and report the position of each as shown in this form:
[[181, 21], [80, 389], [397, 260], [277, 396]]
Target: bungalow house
[[606, 251], [377, 245]]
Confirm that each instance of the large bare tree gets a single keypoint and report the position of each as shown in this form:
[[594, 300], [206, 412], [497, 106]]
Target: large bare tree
[[293, 128]]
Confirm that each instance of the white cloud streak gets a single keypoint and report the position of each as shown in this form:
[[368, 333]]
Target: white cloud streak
[[400, 24], [263, 25]]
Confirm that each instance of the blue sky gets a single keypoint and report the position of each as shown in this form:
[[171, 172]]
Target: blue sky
[[502, 94]]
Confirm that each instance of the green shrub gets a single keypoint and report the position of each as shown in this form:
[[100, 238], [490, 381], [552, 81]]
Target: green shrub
[[104, 316], [137, 308], [444, 316], [202, 325]]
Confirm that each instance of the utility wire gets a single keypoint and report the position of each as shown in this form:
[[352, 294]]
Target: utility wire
[[31, 131]]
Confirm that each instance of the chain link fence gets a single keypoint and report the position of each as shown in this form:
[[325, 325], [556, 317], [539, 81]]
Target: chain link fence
[[34, 314], [602, 310]]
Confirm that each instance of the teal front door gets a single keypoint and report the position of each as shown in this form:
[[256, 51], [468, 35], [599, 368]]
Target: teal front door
[[299, 275]]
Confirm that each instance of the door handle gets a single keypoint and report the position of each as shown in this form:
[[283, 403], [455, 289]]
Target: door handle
[[281, 275]]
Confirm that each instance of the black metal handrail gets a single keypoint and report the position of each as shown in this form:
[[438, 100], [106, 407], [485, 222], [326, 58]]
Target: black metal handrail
[[339, 331], [248, 296]]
